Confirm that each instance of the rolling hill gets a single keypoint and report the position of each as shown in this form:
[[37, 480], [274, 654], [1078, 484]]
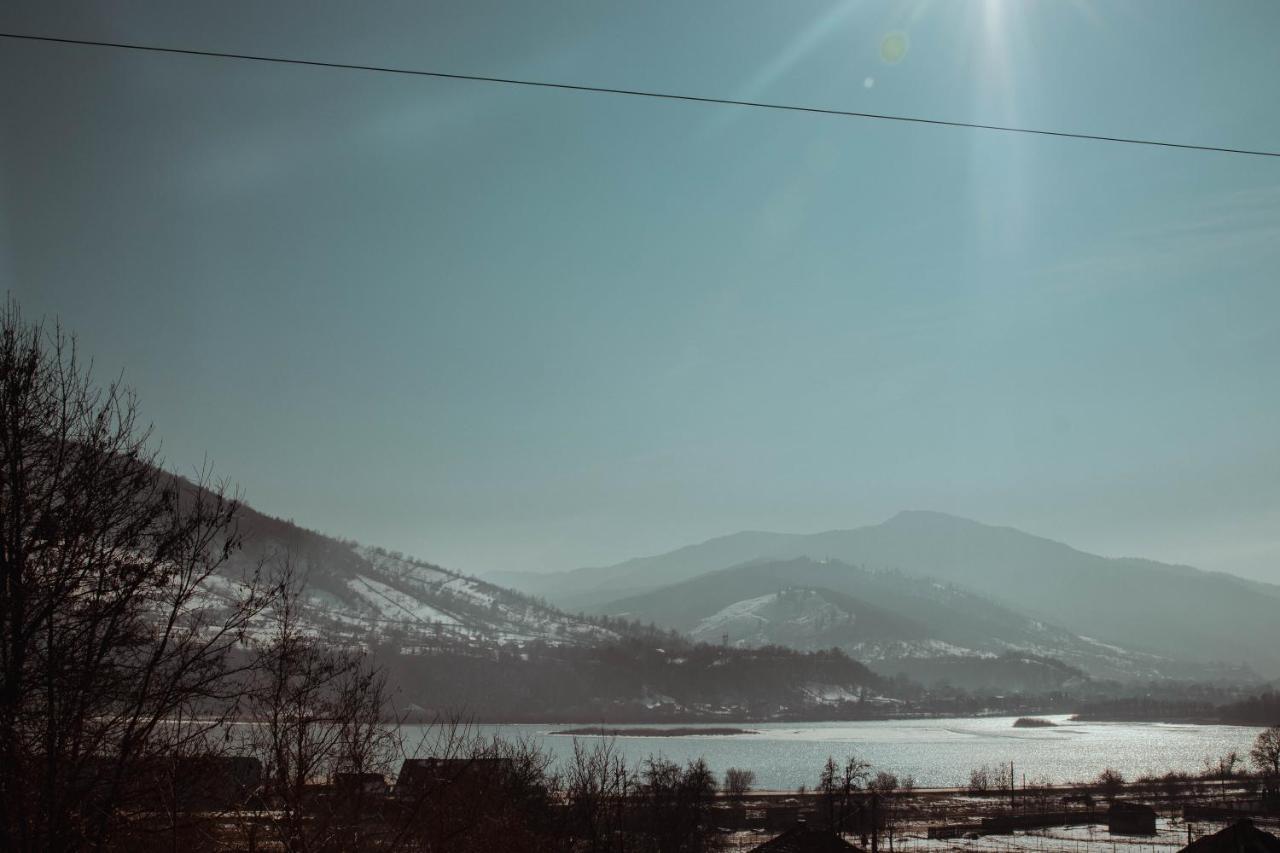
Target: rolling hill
[[1169, 612], [884, 617], [454, 644]]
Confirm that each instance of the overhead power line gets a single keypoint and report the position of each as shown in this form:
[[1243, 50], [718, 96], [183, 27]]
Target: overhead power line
[[639, 93]]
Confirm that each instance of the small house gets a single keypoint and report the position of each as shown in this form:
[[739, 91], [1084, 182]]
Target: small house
[[426, 774], [214, 782], [1125, 818], [782, 816], [1241, 837], [360, 784], [805, 838]]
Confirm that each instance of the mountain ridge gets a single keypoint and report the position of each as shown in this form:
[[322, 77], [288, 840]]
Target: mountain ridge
[[879, 616], [1167, 610]]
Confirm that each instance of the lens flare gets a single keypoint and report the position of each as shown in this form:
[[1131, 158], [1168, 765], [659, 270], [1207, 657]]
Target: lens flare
[[893, 47]]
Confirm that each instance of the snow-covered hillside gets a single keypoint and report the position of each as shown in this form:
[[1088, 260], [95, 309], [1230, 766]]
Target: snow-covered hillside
[[397, 595], [364, 595]]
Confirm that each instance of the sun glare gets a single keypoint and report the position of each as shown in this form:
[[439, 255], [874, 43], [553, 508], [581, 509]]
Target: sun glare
[[893, 47]]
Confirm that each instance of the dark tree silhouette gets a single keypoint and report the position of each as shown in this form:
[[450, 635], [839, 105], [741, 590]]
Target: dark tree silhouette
[[112, 657], [1265, 753], [318, 715], [1111, 781], [738, 782]]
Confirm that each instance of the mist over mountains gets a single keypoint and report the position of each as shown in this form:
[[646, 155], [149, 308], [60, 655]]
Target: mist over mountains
[[456, 644], [1004, 589], [884, 617], [937, 599], [922, 614]]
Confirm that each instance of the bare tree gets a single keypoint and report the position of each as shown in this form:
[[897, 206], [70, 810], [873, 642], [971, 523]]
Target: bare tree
[[829, 788], [980, 780], [1111, 781], [884, 783], [598, 785], [738, 782], [113, 651], [855, 774], [1224, 768], [1173, 783], [1265, 753], [884, 786], [1002, 776], [317, 714], [840, 786], [675, 806]]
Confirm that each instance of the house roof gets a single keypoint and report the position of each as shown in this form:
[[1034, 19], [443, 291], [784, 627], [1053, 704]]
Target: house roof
[[803, 838], [1124, 807], [1241, 837]]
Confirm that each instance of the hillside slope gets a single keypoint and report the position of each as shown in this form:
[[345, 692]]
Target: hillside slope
[[1169, 611], [456, 645], [363, 595], [883, 617]]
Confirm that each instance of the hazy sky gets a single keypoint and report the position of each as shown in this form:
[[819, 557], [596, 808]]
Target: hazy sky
[[504, 328]]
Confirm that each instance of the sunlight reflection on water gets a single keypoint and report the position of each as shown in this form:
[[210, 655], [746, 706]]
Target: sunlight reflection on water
[[938, 752]]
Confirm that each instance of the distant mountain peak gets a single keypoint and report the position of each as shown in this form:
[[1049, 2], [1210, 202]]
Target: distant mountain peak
[[934, 523], [935, 519]]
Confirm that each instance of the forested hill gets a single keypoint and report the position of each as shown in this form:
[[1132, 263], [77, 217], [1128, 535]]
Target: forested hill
[[636, 680]]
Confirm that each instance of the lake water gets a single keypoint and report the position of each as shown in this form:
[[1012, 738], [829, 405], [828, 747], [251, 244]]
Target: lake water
[[937, 752]]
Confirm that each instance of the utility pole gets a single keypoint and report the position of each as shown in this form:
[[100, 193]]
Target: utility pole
[[1012, 806]]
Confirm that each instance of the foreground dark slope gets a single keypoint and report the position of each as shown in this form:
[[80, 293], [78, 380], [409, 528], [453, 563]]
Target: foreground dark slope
[[1172, 611]]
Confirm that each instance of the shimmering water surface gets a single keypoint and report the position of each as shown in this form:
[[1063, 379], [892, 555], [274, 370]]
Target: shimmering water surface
[[938, 752]]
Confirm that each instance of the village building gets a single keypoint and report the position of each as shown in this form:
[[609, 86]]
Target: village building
[[213, 782], [1240, 837], [1125, 818], [806, 838], [360, 784], [419, 774]]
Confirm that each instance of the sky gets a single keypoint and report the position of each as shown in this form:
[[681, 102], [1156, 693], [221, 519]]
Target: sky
[[503, 328]]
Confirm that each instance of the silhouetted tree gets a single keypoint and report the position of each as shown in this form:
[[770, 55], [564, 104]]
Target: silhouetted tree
[[1174, 783], [1111, 781], [316, 712], [1224, 768], [113, 651], [597, 787], [676, 805], [980, 780], [738, 782], [829, 788], [1265, 753], [883, 783]]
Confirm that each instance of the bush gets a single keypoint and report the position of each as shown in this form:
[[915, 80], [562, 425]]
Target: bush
[[1111, 781]]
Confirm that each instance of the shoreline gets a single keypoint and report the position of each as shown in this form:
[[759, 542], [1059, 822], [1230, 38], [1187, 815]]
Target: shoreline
[[678, 731], [760, 721]]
